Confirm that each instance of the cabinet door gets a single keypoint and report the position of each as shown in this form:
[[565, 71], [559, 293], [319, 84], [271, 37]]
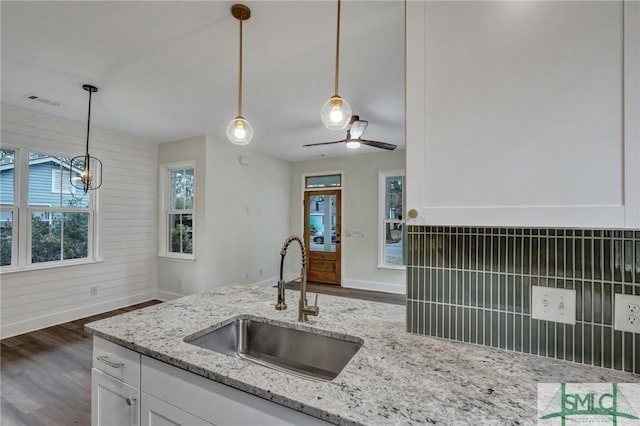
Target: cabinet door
[[113, 403], [523, 113], [155, 412]]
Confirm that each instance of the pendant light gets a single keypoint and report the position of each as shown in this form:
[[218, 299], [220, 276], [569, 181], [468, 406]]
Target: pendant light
[[91, 175], [239, 130], [336, 112]]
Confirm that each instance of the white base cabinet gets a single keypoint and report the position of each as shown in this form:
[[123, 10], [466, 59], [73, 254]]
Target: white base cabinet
[[155, 412], [129, 389], [113, 403]]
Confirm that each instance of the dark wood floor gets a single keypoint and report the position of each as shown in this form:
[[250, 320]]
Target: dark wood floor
[[333, 290], [45, 375]]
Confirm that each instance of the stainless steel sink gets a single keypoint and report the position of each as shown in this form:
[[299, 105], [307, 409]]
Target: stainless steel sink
[[303, 353]]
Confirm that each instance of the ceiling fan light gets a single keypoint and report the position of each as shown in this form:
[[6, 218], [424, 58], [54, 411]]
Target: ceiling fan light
[[336, 113], [353, 144], [239, 131]]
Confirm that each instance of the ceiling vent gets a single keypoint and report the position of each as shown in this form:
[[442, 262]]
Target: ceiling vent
[[37, 98]]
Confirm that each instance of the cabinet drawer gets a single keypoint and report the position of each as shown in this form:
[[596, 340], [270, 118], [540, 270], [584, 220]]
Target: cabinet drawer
[[214, 402], [116, 361]]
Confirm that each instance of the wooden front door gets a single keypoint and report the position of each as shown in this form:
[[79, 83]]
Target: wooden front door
[[322, 235]]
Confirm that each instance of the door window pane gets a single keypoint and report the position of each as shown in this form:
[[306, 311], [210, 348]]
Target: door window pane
[[181, 233], [332, 181], [6, 237], [322, 223]]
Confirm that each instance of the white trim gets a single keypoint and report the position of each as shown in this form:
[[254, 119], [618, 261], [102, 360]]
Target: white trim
[[22, 233], [592, 216], [270, 282], [375, 286], [166, 296], [382, 216], [49, 265], [13, 329], [631, 111], [343, 196], [164, 177]]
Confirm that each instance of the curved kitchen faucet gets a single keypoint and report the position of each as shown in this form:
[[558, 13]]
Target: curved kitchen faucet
[[303, 308]]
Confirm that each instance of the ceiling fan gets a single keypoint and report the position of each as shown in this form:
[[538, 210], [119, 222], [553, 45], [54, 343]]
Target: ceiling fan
[[355, 130]]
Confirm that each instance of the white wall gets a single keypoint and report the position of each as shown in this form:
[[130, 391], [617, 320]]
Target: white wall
[[127, 273], [360, 214], [246, 218]]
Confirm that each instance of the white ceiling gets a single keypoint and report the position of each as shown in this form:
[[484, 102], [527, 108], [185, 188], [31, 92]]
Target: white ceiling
[[168, 70]]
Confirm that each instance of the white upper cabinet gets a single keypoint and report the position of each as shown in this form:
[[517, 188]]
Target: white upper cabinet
[[524, 113]]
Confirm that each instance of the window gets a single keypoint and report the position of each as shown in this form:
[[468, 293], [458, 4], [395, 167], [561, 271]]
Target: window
[[8, 207], [318, 182], [392, 229], [59, 219], [177, 222]]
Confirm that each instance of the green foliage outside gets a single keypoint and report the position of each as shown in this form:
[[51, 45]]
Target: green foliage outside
[[46, 237], [181, 232], [5, 246]]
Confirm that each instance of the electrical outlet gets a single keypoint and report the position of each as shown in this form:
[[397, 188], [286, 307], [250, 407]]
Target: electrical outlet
[[93, 291], [553, 304], [626, 313]]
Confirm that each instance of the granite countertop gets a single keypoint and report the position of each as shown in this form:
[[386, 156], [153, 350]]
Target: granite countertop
[[395, 378]]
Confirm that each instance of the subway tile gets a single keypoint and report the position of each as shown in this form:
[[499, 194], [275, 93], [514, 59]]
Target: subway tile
[[474, 285]]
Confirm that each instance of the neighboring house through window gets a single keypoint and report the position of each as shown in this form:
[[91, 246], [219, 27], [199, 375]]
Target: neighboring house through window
[[391, 219], [59, 219], [177, 221]]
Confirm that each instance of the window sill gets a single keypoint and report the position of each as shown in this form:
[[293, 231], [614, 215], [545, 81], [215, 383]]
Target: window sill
[[393, 267], [47, 265], [177, 257]]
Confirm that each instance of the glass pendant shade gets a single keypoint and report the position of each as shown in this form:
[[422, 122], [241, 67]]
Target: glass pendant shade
[[353, 144], [336, 113], [239, 131]]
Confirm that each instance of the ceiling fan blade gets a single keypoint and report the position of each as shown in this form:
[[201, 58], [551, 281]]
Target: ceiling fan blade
[[376, 144], [357, 128], [323, 143]]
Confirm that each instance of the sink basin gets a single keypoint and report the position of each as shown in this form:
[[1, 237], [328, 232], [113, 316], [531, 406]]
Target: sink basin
[[279, 346]]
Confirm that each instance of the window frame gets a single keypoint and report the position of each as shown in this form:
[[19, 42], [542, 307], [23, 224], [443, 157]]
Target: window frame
[[165, 210], [13, 208], [382, 218], [22, 227]]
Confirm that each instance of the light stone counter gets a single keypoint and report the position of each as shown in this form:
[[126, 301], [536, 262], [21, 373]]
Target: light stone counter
[[395, 378]]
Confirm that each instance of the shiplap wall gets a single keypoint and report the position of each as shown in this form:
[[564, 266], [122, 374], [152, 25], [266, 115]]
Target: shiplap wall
[[127, 233]]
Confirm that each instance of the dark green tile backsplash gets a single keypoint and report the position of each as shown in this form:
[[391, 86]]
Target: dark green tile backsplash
[[474, 285]]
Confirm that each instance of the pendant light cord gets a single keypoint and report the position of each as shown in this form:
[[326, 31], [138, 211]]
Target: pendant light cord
[[337, 51], [88, 123], [240, 74]]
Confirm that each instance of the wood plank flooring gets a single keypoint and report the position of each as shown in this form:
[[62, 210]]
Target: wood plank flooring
[[45, 375]]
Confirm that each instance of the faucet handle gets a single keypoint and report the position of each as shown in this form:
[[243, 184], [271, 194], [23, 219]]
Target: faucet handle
[[315, 303]]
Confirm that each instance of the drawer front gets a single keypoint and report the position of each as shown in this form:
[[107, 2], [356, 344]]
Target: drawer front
[[214, 402], [116, 361]]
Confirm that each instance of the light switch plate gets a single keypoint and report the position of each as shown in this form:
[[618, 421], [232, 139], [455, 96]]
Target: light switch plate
[[553, 304], [626, 313]]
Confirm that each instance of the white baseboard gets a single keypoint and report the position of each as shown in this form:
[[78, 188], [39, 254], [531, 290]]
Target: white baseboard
[[269, 282], [165, 296], [374, 286], [13, 329]]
